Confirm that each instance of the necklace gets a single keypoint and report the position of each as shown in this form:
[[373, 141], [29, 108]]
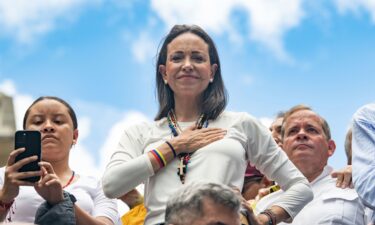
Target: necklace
[[70, 180], [176, 130]]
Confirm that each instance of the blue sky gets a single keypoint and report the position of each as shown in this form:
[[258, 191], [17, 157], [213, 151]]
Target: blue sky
[[100, 56]]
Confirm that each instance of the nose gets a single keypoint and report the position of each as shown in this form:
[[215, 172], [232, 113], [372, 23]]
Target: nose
[[187, 66], [302, 135], [47, 127]]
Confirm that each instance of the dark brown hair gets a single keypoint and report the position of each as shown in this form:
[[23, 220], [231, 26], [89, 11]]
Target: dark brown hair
[[70, 110]]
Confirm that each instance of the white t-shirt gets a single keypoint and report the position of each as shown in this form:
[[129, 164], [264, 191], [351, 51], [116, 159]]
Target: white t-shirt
[[87, 190], [223, 161], [331, 205]]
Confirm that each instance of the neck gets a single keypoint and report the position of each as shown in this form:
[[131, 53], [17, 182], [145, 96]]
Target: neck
[[62, 170], [313, 175], [186, 110]]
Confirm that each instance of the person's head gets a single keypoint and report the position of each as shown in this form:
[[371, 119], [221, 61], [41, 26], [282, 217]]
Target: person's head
[[188, 66], [275, 127], [348, 146], [201, 203], [57, 122], [306, 139]]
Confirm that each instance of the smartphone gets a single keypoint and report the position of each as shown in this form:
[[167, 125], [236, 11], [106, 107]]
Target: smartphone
[[31, 141]]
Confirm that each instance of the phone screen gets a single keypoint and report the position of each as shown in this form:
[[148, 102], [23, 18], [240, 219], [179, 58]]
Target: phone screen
[[31, 141]]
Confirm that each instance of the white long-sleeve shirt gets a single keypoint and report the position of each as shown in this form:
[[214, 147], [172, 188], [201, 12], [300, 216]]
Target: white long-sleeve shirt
[[222, 161], [330, 206]]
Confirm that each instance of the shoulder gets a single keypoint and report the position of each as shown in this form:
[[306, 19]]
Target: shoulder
[[331, 192], [87, 182], [365, 112], [238, 117]]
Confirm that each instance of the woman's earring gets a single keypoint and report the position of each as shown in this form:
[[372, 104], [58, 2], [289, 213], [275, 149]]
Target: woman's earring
[[211, 80], [165, 82]]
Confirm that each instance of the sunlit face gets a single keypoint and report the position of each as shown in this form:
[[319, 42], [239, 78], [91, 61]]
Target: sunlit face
[[188, 69], [52, 119], [306, 144], [216, 214], [275, 129]]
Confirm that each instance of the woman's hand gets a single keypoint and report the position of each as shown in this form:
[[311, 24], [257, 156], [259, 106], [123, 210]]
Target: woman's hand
[[12, 178], [49, 186], [344, 177], [192, 138]]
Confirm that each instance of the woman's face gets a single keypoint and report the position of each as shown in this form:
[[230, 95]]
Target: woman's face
[[188, 69], [52, 119]]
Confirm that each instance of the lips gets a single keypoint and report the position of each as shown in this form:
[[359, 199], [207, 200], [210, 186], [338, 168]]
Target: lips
[[49, 137], [302, 146], [187, 76]]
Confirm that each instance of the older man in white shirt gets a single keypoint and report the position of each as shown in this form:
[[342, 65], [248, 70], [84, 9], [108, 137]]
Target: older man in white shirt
[[307, 141]]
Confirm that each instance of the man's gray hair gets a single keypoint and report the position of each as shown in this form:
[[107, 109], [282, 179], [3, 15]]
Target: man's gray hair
[[186, 204]]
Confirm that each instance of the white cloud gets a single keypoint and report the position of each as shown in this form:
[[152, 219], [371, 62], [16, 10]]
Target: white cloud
[[268, 20], [355, 6], [26, 20], [20, 101], [8, 87], [141, 47]]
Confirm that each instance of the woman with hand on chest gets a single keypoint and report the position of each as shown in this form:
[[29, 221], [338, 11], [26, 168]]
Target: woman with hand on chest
[[193, 138]]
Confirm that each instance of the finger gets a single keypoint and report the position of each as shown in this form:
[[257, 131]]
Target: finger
[[48, 167], [46, 179], [212, 130], [340, 178], [23, 175], [13, 155], [347, 180], [334, 174], [249, 214], [24, 161], [25, 183]]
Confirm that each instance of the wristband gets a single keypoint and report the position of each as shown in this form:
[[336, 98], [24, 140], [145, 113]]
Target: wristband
[[271, 216], [171, 147]]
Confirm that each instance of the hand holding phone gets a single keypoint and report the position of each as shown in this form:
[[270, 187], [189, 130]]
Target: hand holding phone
[[31, 141]]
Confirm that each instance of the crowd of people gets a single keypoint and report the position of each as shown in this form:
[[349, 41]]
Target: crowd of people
[[200, 164]]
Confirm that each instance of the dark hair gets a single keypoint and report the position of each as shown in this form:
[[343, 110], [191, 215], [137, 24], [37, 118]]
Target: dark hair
[[324, 123], [70, 110], [213, 99]]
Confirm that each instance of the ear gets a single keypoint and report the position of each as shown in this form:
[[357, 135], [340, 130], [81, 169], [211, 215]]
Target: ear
[[213, 70], [331, 147], [75, 136], [162, 71]]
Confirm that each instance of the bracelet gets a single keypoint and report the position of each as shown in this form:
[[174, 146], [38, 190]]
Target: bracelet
[[171, 147], [271, 216], [159, 157], [6, 206]]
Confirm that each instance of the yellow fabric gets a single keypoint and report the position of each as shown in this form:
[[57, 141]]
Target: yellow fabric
[[244, 220], [136, 216]]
